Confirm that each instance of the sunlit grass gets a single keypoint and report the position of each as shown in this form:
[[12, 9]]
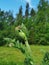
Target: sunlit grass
[[8, 55], [38, 53]]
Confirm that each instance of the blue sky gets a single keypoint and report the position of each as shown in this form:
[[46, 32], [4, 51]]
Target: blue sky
[[14, 5]]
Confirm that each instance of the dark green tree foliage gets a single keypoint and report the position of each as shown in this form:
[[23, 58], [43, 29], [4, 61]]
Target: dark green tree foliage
[[1, 19], [20, 11], [6, 19], [27, 10], [29, 24], [43, 4], [41, 24], [6, 26], [32, 13], [19, 18], [9, 18], [42, 10]]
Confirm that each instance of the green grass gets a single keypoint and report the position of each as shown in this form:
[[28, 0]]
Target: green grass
[[38, 53], [13, 56]]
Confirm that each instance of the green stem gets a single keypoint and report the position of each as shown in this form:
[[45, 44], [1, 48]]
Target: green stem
[[28, 49]]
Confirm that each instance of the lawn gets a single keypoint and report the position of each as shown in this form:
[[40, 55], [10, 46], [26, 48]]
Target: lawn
[[13, 56]]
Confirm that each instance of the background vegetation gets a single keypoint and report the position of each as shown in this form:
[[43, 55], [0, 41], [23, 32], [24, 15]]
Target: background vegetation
[[37, 23]]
